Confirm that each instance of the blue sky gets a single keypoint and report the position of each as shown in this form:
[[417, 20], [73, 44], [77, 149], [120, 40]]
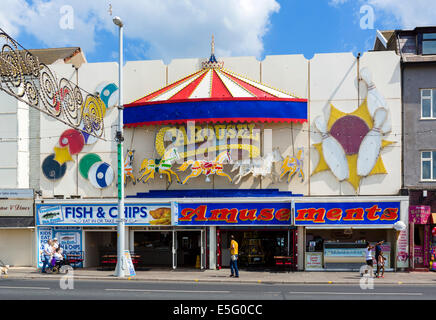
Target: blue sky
[[168, 29]]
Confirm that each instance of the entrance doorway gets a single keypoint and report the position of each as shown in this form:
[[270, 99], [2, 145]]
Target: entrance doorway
[[154, 248], [97, 244], [257, 247], [188, 249]]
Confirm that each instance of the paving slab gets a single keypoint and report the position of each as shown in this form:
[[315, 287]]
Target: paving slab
[[195, 275]]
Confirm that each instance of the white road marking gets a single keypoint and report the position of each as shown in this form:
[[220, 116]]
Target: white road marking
[[362, 293], [178, 291], [31, 288]]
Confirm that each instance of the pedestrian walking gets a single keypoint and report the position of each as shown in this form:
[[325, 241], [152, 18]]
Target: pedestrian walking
[[368, 258], [378, 252], [368, 254], [47, 254], [234, 258], [381, 265]]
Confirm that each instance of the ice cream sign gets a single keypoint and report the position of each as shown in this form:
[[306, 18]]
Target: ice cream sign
[[105, 214], [347, 213]]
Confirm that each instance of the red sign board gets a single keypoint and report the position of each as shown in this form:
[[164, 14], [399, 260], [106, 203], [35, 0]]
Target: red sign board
[[419, 214]]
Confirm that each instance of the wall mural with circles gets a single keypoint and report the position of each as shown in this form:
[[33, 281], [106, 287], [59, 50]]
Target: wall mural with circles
[[72, 142]]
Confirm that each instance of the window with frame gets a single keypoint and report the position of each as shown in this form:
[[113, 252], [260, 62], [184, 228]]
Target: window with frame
[[428, 165], [428, 103], [429, 43]]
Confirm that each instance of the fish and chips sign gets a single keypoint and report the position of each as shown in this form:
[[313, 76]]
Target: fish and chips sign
[[104, 214]]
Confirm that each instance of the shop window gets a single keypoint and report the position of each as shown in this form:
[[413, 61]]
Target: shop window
[[418, 235], [429, 43], [428, 165], [428, 103]]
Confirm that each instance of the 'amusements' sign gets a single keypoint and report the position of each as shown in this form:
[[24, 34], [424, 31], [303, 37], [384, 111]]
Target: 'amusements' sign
[[347, 213], [234, 214]]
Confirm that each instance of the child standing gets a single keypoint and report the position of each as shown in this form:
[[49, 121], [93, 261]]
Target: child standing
[[381, 265]]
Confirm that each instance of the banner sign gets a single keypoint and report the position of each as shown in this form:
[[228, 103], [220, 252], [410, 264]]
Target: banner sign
[[44, 234], [16, 193], [69, 238], [402, 250], [102, 215], [234, 214], [16, 208], [128, 264], [347, 213], [419, 214], [313, 260]]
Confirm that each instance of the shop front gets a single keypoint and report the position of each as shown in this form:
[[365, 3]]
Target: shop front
[[420, 237], [335, 233], [170, 247], [88, 229], [17, 226], [263, 231]]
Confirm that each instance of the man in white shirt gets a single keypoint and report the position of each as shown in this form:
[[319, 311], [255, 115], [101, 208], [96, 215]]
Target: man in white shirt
[[47, 254]]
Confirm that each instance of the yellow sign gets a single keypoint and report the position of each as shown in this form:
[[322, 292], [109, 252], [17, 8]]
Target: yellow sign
[[214, 138]]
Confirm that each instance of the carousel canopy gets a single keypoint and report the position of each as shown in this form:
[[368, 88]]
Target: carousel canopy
[[214, 94]]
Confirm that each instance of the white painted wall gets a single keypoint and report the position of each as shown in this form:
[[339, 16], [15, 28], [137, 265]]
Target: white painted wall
[[13, 119], [21, 241], [325, 79]]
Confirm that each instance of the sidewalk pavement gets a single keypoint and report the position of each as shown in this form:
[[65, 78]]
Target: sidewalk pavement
[[268, 277]]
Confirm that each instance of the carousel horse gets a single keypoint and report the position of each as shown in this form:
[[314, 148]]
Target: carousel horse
[[128, 167], [207, 167], [163, 165], [258, 167], [292, 165]]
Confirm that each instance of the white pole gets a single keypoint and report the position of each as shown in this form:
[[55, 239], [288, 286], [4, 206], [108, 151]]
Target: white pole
[[119, 271], [212, 248]]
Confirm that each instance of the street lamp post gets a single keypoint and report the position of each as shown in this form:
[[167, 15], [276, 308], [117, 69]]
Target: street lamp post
[[119, 270]]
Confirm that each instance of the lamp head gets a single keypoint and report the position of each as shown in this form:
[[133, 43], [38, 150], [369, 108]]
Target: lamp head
[[117, 20]]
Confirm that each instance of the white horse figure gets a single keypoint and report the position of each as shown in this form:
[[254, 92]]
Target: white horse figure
[[262, 166]]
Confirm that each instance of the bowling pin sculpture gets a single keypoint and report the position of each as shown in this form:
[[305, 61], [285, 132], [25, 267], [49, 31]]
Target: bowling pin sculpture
[[333, 152], [369, 149], [374, 98], [327, 111]]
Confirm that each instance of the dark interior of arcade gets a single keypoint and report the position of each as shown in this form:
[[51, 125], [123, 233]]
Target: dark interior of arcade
[[258, 248]]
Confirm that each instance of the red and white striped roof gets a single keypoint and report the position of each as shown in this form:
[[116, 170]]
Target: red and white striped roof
[[213, 83]]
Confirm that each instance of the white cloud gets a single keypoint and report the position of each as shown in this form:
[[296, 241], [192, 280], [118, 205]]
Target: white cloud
[[399, 13], [406, 13], [336, 3], [171, 28]]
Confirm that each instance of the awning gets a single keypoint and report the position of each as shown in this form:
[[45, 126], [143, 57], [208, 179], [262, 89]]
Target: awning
[[216, 111], [215, 95], [433, 218], [17, 222]]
